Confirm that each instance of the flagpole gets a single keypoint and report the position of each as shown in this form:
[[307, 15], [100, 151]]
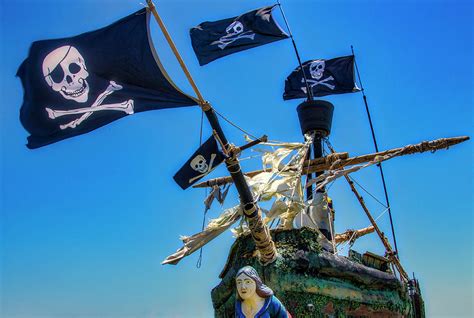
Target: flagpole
[[377, 150], [309, 92], [259, 231]]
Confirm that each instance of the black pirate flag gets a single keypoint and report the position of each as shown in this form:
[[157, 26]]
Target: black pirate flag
[[325, 77], [75, 85], [212, 40], [203, 161]]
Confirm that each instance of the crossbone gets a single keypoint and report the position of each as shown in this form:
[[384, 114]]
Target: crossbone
[[228, 39], [209, 169], [126, 106], [322, 82]]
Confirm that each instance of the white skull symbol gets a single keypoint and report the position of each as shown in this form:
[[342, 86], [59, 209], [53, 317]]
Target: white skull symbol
[[316, 69], [234, 28], [65, 71], [199, 164]]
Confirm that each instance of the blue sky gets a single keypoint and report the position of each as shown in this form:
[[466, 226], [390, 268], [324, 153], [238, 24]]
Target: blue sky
[[86, 222]]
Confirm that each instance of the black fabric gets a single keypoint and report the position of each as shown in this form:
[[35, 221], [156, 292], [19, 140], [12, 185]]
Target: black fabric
[[212, 40], [208, 156], [116, 63], [341, 70]]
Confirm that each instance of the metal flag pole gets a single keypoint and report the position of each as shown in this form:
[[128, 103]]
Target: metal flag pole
[[259, 231], [377, 150], [309, 92]]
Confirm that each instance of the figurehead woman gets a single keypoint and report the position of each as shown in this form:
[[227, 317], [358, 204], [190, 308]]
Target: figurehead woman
[[254, 298]]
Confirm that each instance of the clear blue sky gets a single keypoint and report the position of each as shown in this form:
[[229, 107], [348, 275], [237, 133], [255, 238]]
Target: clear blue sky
[[86, 222]]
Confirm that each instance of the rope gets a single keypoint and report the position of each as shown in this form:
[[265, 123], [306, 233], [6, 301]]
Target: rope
[[384, 211], [366, 191], [353, 234], [199, 261], [235, 125], [348, 242], [309, 92], [377, 150], [249, 157]]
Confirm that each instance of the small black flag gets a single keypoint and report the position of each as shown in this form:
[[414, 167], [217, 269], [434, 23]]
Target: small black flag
[[75, 85], [212, 40], [203, 161], [325, 77]]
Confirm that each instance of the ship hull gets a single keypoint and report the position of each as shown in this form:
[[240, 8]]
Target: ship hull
[[312, 282]]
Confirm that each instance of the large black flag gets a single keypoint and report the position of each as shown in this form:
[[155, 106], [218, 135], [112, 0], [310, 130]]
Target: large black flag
[[203, 161], [212, 40], [325, 77], [75, 85]]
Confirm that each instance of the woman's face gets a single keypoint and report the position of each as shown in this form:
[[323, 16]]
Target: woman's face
[[246, 286]]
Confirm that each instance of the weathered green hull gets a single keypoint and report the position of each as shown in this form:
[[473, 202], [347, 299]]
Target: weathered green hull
[[311, 282]]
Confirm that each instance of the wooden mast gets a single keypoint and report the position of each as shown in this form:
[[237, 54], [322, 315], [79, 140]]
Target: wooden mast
[[260, 232]]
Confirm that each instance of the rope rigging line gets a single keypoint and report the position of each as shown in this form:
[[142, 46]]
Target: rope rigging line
[[235, 125], [377, 150], [366, 191], [346, 243], [353, 234], [249, 157], [199, 261], [309, 91]]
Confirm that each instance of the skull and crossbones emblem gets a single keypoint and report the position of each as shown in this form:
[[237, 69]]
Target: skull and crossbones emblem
[[316, 69], [235, 31], [65, 71], [199, 164]]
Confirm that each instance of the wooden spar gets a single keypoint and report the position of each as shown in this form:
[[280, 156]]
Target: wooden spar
[[391, 255], [318, 161], [259, 231], [353, 234], [327, 163], [264, 138], [388, 248]]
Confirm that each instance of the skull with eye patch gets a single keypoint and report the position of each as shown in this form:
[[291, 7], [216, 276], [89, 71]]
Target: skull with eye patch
[[234, 28], [65, 71], [316, 69]]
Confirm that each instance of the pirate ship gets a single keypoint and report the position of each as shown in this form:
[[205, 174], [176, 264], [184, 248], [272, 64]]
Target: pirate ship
[[298, 256]]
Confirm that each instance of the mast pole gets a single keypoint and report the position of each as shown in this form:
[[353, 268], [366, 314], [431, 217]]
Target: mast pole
[[377, 150], [260, 232], [309, 92], [317, 146]]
